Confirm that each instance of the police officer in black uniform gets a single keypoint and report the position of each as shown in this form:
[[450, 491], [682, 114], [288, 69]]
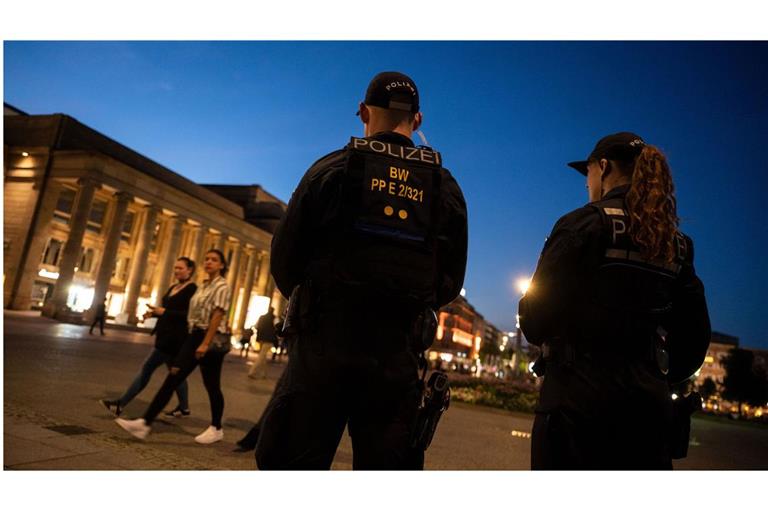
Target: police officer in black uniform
[[619, 314], [374, 233]]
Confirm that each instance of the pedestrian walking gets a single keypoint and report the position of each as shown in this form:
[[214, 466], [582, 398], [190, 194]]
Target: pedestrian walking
[[100, 318], [280, 346], [206, 345], [170, 332], [619, 313], [374, 234], [245, 342], [266, 335]]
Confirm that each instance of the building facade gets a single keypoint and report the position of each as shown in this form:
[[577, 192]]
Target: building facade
[[719, 346], [88, 219]]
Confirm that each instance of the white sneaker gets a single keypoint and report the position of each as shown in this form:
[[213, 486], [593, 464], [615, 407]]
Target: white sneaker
[[137, 428], [210, 436]]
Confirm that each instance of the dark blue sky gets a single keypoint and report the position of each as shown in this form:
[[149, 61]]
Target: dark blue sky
[[505, 115]]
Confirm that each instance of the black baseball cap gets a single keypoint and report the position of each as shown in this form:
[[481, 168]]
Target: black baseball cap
[[393, 90], [622, 146]]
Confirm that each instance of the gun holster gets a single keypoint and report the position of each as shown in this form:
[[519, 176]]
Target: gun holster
[[682, 410], [297, 313], [424, 330], [435, 401]]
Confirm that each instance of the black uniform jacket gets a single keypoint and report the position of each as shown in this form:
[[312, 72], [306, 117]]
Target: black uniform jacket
[[315, 207], [559, 301]]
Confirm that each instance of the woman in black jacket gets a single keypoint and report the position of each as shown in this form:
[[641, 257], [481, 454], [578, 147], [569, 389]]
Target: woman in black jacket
[[170, 331], [620, 316]]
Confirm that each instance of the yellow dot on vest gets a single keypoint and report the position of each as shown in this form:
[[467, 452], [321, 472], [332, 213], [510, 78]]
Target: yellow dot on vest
[[403, 214], [388, 211]]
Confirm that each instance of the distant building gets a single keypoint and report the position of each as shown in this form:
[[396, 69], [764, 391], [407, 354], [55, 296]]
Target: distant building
[[460, 332], [719, 346], [88, 219]]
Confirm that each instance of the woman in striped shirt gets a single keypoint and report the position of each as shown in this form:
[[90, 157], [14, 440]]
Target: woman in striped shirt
[[206, 345]]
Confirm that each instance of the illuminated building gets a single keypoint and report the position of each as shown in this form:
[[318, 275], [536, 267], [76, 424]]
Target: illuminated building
[[88, 219], [460, 332], [713, 368]]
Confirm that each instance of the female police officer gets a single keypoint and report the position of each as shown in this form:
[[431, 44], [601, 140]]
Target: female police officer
[[619, 314]]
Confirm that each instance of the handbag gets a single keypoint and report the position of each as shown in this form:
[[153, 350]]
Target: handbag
[[221, 342]]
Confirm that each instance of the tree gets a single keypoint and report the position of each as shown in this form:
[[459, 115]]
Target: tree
[[707, 388], [489, 349], [743, 382]]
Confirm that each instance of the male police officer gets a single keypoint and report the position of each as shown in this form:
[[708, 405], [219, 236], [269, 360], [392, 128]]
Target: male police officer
[[616, 327], [374, 233]]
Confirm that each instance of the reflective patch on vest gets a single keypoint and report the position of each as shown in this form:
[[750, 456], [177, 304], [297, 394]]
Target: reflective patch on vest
[[410, 154], [396, 199], [634, 256], [615, 211]]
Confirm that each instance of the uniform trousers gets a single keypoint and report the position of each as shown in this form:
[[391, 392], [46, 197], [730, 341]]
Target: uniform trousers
[[602, 414], [331, 382]]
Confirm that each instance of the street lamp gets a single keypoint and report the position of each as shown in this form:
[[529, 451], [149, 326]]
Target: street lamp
[[523, 284]]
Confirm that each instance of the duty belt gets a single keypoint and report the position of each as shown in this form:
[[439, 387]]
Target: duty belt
[[568, 353]]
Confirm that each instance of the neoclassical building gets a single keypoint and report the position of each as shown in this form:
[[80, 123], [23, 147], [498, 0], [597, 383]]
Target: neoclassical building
[[88, 219]]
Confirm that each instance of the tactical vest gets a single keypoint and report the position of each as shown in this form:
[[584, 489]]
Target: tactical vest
[[391, 201], [632, 294]]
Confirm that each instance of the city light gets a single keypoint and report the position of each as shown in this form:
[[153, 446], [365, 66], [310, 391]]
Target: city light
[[257, 306], [80, 298], [24, 153], [48, 274], [674, 396]]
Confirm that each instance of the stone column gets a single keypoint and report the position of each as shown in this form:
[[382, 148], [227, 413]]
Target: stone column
[[234, 277], [22, 296], [250, 273], [168, 258], [263, 282], [198, 250], [233, 274], [270, 292], [139, 263], [72, 249], [108, 257]]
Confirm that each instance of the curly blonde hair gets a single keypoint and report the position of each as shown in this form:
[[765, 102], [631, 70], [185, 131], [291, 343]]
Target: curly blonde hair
[[652, 206]]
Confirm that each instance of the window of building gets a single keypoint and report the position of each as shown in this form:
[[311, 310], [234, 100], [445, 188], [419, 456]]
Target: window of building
[[52, 252], [96, 215], [65, 205], [127, 227], [86, 260]]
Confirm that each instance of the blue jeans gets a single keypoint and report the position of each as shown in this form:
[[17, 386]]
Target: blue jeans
[[154, 360]]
